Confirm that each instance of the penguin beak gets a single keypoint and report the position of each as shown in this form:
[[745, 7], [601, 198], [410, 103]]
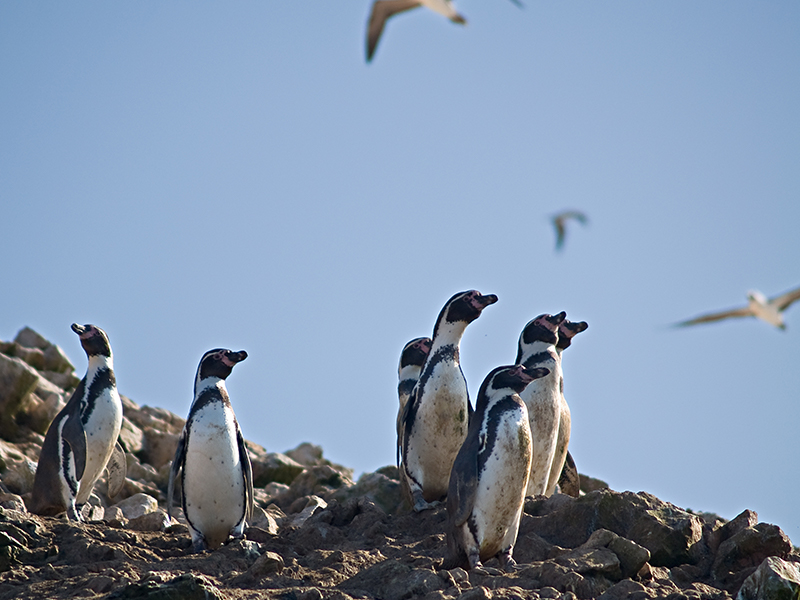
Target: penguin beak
[[558, 319], [486, 300], [79, 329], [236, 357]]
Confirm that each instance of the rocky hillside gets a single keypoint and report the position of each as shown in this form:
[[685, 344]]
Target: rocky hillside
[[318, 534]]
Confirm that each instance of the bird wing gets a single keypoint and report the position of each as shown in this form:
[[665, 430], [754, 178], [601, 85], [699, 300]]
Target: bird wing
[[244, 458], [444, 8], [463, 485], [75, 436], [558, 223], [784, 300], [117, 468], [738, 312], [381, 11], [177, 463]]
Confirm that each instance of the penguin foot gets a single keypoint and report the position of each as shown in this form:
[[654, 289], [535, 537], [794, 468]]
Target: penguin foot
[[421, 504], [507, 563], [74, 513], [199, 545]]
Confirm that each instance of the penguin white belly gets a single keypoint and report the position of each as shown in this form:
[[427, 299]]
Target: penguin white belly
[[102, 430], [543, 402], [213, 480], [502, 483], [439, 430], [562, 444]]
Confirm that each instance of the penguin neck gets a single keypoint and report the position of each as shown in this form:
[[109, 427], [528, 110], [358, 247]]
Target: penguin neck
[[207, 384], [538, 353], [98, 362], [409, 372], [448, 333]]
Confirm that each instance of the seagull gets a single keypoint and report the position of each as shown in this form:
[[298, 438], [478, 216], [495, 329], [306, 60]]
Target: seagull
[[382, 10], [560, 221], [769, 310]]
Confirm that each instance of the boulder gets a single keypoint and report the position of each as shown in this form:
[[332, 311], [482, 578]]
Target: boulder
[[774, 579], [17, 381], [668, 532]]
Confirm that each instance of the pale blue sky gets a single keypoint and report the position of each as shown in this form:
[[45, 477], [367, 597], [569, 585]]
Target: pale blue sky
[[194, 175]]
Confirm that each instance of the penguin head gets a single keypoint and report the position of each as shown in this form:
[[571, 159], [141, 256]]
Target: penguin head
[[219, 363], [512, 377], [93, 339], [568, 330], [415, 352], [543, 328], [465, 306]]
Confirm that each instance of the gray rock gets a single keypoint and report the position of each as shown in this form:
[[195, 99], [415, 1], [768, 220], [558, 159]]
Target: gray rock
[[151, 521], [266, 565], [393, 580], [19, 475], [319, 481], [56, 361], [12, 502], [137, 505], [273, 467], [132, 436], [668, 532], [264, 520], [775, 579], [186, 587], [740, 554], [159, 447], [28, 338], [17, 381], [380, 489]]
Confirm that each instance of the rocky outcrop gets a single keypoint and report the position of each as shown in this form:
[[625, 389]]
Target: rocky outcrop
[[316, 533]]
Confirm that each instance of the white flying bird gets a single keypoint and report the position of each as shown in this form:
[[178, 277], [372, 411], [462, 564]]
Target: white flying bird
[[560, 223], [769, 310], [382, 10]]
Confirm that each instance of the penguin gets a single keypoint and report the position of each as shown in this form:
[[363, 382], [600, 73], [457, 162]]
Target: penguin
[[211, 458], [566, 331], [435, 419], [490, 474], [82, 439], [537, 348], [569, 482], [411, 360]]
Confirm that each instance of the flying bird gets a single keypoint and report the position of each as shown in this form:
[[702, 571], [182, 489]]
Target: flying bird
[[769, 310], [560, 223], [382, 10]]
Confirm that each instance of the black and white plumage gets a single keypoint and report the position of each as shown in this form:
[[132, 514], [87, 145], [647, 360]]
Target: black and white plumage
[[560, 224], [412, 358], [537, 348], [769, 310], [435, 420], [383, 10], [490, 473], [211, 459], [563, 471], [82, 439]]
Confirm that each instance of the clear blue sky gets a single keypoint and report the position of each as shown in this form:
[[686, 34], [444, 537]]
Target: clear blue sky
[[189, 175]]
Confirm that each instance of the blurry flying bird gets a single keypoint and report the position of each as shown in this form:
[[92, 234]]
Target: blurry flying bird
[[382, 10], [560, 223], [769, 310]]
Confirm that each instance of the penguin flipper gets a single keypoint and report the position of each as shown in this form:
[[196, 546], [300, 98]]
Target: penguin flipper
[[570, 481], [117, 468], [247, 469], [463, 485], [75, 436], [177, 463]]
